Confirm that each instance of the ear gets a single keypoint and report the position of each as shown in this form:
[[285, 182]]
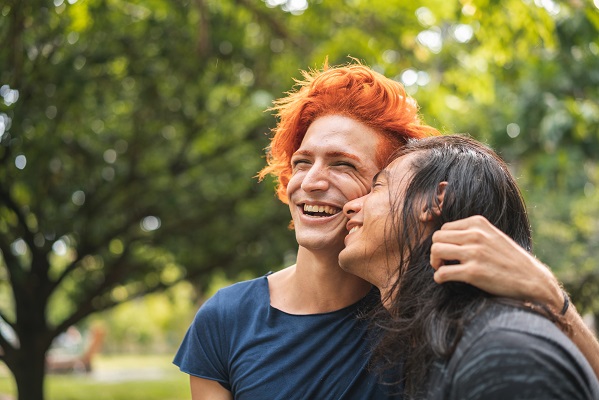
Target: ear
[[426, 213]]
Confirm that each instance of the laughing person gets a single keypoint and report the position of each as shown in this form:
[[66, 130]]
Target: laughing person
[[454, 341], [294, 334]]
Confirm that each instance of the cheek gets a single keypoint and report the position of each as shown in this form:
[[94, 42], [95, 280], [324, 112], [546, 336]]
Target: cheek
[[363, 181], [354, 187], [295, 183]]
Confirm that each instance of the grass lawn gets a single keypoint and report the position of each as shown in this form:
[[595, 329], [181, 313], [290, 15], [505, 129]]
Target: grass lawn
[[147, 377]]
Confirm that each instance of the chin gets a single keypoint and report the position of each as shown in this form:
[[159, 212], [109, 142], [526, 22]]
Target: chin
[[332, 244], [316, 245], [346, 263]]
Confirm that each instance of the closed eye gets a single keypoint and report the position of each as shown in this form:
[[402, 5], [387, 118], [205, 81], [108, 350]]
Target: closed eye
[[298, 162], [345, 164], [379, 179]]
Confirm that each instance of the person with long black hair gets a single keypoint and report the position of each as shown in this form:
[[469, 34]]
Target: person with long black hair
[[453, 340], [294, 333]]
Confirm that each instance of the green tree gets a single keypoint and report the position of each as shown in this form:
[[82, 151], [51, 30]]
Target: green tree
[[130, 133], [129, 147], [527, 84]]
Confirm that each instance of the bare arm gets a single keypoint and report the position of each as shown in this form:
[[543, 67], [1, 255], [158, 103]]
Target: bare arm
[[582, 336], [493, 262], [204, 389]]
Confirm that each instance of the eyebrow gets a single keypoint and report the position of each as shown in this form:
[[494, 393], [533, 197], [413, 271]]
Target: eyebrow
[[329, 154], [342, 154]]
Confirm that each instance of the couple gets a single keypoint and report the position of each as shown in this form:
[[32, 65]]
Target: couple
[[300, 333]]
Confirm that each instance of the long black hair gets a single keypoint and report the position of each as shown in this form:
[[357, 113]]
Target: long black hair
[[424, 320]]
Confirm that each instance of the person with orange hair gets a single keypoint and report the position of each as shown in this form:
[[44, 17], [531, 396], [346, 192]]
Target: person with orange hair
[[352, 91], [297, 333]]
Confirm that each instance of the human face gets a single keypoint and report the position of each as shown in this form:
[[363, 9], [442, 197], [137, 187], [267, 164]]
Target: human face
[[371, 248], [335, 163]]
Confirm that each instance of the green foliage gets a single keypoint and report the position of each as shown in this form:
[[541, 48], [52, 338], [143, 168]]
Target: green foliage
[[153, 324], [131, 133]]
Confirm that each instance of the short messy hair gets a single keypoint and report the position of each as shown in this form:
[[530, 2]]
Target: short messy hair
[[351, 90]]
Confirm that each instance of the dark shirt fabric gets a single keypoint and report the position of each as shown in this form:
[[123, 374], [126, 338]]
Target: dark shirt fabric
[[510, 353], [259, 352]]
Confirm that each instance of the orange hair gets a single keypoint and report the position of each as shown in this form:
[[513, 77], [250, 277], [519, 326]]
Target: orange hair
[[353, 90]]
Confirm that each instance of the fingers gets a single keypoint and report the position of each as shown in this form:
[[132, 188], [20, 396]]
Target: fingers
[[490, 260], [458, 237], [471, 230], [452, 273], [466, 223], [475, 231], [441, 252]]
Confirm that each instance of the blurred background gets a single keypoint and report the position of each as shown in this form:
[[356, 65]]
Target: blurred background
[[131, 133]]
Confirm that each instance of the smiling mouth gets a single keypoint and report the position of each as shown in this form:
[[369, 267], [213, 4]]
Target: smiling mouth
[[320, 211]]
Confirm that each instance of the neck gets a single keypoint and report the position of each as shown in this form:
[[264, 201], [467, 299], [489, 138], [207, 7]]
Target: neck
[[316, 284], [387, 296]]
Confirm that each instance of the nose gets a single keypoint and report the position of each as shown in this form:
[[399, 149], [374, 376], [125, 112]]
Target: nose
[[315, 179], [353, 207]]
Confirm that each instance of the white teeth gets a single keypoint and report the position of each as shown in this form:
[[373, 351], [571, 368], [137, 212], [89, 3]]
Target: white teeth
[[320, 209], [355, 228]]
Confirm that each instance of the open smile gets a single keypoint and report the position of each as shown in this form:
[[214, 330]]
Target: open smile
[[352, 226], [319, 211]]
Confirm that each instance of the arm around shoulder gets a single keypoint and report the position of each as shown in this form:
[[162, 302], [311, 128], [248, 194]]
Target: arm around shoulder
[[584, 338], [206, 389], [493, 262]]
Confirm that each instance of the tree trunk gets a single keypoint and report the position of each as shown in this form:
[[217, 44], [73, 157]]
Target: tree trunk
[[28, 364], [29, 375]]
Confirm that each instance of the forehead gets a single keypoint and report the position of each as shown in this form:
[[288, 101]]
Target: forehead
[[400, 168], [343, 136]]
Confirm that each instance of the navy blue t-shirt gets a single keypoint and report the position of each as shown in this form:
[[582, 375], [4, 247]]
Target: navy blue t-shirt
[[259, 352]]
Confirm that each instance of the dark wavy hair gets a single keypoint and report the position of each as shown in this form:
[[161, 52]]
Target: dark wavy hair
[[424, 320]]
